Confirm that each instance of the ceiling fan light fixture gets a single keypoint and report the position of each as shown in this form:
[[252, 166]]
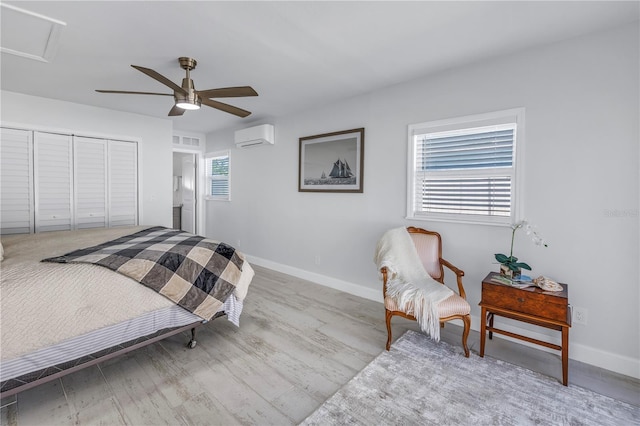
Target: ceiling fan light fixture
[[187, 105], [188, 102]]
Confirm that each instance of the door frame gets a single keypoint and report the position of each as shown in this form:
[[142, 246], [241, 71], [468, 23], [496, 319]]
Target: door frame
[[199, 180]]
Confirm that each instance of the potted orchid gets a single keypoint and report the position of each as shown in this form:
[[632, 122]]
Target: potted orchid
[[509, 265]]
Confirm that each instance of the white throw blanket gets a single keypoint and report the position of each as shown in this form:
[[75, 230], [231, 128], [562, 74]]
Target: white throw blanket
[[407, 280]]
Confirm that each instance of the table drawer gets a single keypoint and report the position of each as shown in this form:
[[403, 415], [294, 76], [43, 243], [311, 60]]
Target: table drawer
[[525, 301]]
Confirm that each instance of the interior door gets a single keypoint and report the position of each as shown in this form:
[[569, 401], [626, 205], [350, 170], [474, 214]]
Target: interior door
[[189, 193], [53, 160], [123, 183], [90, 166], [16, 181]]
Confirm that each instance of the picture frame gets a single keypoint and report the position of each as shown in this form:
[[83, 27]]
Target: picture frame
[[332, 162]]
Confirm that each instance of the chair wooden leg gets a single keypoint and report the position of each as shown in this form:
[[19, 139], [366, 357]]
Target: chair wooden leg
[[467, 325], [388, 316]]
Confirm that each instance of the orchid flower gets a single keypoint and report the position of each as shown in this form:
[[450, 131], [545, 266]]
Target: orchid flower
[[535, 237]]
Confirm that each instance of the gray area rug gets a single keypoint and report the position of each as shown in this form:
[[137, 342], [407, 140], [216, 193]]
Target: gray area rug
[[421, 382]]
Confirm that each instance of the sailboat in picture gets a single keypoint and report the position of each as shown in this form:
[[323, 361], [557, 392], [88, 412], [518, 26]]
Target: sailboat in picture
[[341, 169]]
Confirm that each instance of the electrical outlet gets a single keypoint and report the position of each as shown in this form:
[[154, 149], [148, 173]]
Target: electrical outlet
[[580, 315], [317, 260]]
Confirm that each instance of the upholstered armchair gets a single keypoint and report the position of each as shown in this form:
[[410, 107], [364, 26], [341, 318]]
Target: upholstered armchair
[[428, 245]]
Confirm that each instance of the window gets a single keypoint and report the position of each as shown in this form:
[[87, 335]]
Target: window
[[466, 169], [217, 166]]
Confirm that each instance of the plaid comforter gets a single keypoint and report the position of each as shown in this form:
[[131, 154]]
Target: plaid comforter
[[194, 272]]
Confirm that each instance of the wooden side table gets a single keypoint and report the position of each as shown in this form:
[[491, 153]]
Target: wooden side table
[[531, 305]]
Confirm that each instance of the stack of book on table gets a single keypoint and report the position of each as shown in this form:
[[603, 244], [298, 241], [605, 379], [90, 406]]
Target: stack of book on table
[[521, 282]]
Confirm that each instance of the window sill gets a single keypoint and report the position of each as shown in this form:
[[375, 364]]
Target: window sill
[[465, 220]]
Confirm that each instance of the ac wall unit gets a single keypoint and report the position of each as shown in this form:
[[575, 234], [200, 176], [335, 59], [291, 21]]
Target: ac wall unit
[[255, 136]]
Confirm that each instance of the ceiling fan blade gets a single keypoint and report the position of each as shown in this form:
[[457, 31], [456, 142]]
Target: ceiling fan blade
[[159, 77], [133, 93], [227, 92], [176, 111], [224, 107]]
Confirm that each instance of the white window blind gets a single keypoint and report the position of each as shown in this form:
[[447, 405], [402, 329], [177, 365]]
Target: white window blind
[[218, 172], [464, 173]]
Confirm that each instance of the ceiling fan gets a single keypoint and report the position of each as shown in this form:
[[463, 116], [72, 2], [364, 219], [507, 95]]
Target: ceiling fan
[[187, 97]]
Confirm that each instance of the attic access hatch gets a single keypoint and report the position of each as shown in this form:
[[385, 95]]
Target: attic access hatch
[[255, 136], [29, 34]]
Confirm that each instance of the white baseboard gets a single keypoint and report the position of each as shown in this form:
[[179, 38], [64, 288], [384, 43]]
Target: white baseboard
[[351, 288], [579, 352]]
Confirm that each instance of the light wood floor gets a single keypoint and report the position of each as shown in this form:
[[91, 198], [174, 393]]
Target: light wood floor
[[298, 343]]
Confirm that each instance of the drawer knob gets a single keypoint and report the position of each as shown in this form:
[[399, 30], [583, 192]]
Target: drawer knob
[[520, 299]]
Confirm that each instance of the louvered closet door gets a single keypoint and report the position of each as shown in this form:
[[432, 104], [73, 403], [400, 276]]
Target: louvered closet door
[[90, 166], [123, 183], [53, 171], [16, 181]]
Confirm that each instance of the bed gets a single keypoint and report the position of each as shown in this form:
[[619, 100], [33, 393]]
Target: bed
[[62, 315]]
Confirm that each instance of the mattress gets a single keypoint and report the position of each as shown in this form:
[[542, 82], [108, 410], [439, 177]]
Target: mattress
[[110, 337], [54, 313]]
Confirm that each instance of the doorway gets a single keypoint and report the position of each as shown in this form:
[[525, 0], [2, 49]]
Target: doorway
[[185, 191]]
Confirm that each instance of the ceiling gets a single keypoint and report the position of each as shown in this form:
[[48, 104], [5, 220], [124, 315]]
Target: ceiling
[[296, 55]]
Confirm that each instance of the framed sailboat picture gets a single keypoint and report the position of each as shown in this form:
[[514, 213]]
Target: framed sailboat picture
[[332, 162]]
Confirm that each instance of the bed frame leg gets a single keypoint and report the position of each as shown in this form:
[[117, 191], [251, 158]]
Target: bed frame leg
[[192, 343]]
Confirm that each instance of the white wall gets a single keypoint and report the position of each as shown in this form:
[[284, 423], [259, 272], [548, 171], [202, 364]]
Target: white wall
[[581, 185], [154, 136]]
